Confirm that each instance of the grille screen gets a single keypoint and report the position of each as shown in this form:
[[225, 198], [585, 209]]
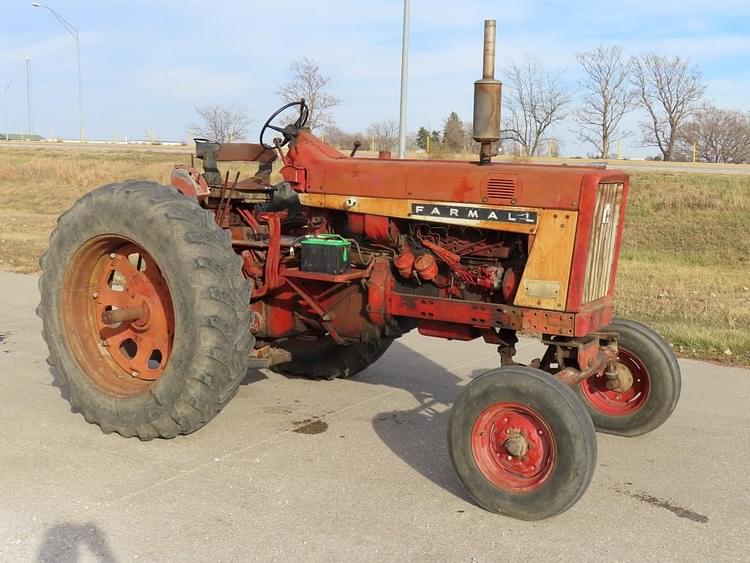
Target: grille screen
[[602, 243], [501, 190]]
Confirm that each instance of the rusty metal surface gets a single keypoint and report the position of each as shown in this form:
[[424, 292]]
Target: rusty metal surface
[[247, 152], [480, 314], [118, 316]]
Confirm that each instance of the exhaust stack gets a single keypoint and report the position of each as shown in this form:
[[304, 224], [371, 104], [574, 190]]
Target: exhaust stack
[[487, 96]]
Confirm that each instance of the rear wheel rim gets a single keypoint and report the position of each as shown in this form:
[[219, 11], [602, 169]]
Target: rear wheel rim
[[503, 465], [109, 273], [619, 403]]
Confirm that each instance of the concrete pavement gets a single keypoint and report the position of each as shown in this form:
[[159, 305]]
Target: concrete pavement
[[369, 480]]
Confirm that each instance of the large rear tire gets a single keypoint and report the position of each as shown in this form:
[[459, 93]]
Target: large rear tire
[[139, 246], [653, 384], [522, 443], [322, 358]]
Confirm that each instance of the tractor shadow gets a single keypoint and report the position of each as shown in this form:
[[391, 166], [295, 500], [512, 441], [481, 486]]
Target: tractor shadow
[[419, 436]]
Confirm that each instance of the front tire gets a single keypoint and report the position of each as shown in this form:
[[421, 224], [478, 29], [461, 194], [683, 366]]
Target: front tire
[[139, 246], [522, 443], [653, 384]]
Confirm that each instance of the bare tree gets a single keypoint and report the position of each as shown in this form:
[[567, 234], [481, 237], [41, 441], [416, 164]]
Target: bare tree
[[385, 133], [606, 97], [308, 83], [718, 135], [221, 123], [669, 89], [470, 145], [534, 101], [339, 138]]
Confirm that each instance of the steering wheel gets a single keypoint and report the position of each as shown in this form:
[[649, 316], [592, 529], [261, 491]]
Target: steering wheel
[[290, 130]]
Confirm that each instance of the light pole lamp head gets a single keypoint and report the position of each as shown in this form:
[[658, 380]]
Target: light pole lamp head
[[36, 5]]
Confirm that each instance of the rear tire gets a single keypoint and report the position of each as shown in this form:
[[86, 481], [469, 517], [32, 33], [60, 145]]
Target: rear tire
[[656, 384], [557, 456], [324, 359], [202, 309]]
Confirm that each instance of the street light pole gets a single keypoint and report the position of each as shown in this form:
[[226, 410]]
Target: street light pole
[[404, 77], [5, 105], [29, 100], [70, 28]]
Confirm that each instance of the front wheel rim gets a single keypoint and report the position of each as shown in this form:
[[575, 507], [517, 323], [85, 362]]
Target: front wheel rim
[[106, 274], [513, 447], [619, 403]]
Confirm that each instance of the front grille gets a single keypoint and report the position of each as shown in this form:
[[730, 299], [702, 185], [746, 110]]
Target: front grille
[[601, 252], [501, 190]]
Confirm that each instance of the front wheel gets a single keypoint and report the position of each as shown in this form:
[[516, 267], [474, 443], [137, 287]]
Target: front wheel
[[647, 388], [522, 443]]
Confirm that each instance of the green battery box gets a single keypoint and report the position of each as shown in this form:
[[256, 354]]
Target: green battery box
[[327, 254]]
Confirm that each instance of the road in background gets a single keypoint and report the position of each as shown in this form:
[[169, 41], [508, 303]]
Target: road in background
[[349, 470], [639, 165]]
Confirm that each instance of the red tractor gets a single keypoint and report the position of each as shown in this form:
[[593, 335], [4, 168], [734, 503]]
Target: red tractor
[[156, 299]]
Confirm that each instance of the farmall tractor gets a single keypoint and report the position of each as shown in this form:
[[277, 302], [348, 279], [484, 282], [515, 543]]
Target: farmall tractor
[[156, 299]]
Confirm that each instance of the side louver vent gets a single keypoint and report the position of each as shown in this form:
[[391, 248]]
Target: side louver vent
[[501, 190], [602, 243]]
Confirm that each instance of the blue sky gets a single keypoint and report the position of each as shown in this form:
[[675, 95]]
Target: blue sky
[[148, 63]]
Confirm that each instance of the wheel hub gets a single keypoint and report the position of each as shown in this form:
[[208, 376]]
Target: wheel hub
[[516, 445], [620, 379]]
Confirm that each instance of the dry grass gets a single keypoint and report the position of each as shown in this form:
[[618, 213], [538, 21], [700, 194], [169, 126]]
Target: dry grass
[[685, 267]]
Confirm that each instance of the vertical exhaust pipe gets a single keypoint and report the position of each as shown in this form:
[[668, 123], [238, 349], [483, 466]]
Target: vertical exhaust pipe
[[487, 97]]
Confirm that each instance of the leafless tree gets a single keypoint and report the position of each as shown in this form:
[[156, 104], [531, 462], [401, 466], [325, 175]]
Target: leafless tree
[[470, 145], [221, 123], [339, 138], [385, 133], [308, 83], [669, 89], [607, 97], [718, 135], [534, 101]]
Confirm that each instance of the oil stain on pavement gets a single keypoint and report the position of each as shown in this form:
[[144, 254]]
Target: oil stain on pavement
[[311, 427], [678, 511]]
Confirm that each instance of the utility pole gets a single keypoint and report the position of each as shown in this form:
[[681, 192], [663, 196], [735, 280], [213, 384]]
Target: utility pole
[[70, 28], [29, 100], [404, 78], [5, 105]]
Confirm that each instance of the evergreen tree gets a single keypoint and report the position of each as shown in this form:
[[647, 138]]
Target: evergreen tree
[[453, 133], [422, 136]]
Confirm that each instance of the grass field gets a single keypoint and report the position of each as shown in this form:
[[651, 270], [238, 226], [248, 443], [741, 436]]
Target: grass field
[[685, 267]]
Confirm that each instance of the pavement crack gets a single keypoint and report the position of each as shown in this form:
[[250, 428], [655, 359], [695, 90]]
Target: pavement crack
[[230, 454]]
